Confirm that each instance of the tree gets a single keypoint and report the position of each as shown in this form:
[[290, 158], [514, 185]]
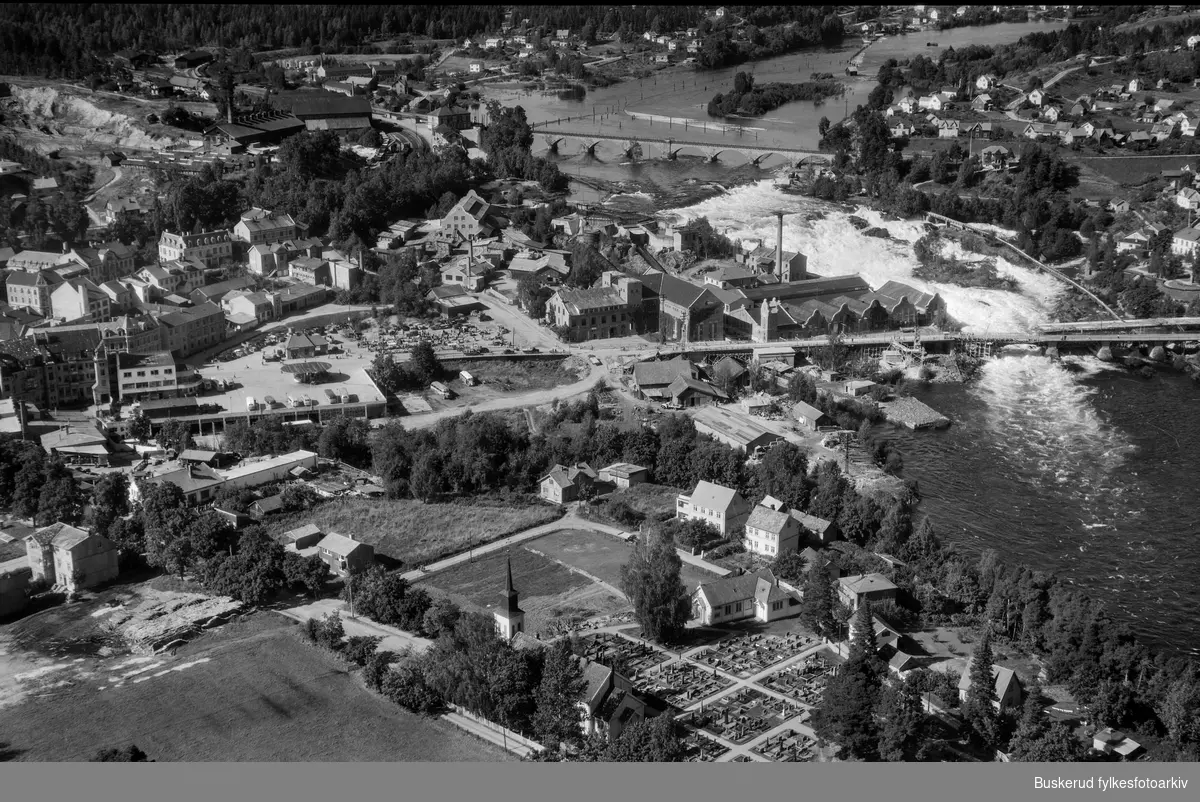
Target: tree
[[425, 363], [789, 567], [311, 572], [978, 707], [846, 717], [556, 716], [127, 754], [139, 428], [441, 617], [175, 435], [164, 519], [903, 729], [651, 581], [345, 439], [648, 741], [60, 498], [816, 606]]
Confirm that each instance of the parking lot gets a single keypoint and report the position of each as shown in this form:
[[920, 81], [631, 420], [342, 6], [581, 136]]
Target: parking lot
[[252, 371]]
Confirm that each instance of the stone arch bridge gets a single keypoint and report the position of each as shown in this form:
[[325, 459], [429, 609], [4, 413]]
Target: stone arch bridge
[[669, 148]]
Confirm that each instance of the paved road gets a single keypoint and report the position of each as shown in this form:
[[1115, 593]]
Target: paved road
[[1060, 76]]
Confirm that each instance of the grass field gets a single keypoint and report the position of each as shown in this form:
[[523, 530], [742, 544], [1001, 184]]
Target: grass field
[[549, 592], [649, 499], [517, 376], [415, 533], [251, 691], [1134, 170], [601, 555]]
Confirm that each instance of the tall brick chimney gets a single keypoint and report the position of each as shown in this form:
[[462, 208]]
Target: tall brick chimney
[[779, 271]]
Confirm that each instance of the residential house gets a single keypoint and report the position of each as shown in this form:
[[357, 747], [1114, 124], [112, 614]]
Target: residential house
[[1008, 690], [454, 117], [1188, 198], [172, 278], [853, 590], [563, 484], [1051, 113], [245, 309], [982, 102], [985, 82], [948, 129], [1185, 240], [119, 206], [1109, 741], [1037, 97], [771, 530], [345, 555], [80, 300], [310, 270], [756, 596], [721, 507], [32, 291], [199, 483], [901, 129], [212, 248], [931, 103], [260, 227], [1135, 85], [610, 702], [908, 105], [71, 558]]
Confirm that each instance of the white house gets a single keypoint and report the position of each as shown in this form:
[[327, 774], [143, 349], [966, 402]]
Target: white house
[[723, 508], [1188, 198], [1009, 692], [907, 104], [985, 82], [1184, 241], [1037, 97], [755, 596], [1135, 85], [1192, 41], [930, 103], [770, 530]]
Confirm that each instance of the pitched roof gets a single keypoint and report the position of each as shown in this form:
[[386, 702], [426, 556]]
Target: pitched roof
[[340, 544], [713, 496], [580, 301], [304, 531], [731, 589], [663, 372], [811, 522], [767, 519], [866, 583], [682, 383]]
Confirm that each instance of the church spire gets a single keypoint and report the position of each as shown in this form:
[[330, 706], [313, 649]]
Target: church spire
[[510, 594]]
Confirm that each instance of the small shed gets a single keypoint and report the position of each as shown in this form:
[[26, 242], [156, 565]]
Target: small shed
[[858, 387], [809, 417]]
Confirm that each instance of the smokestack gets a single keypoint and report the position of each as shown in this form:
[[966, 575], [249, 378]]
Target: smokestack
[[779, 249]]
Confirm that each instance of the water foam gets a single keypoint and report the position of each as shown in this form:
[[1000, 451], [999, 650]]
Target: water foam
[[835, 247], [1043, 416]]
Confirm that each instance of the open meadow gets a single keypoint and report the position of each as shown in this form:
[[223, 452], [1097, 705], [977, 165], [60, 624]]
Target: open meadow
[[409, 532], [548, 590], [252, 690]]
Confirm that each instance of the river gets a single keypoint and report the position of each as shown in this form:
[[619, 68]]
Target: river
[[643, 108], [1075, 468]]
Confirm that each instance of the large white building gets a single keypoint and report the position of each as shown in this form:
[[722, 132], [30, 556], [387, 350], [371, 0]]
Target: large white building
[[213, 248]]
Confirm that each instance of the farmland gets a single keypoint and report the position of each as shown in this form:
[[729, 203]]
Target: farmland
[[251, 691], [410, 532]]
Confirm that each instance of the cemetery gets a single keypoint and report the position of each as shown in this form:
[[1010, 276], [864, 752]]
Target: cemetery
[[627, 656], [700, 748], [743, 715], [788, 746], [681, 683], [747, 655], [803, 681]]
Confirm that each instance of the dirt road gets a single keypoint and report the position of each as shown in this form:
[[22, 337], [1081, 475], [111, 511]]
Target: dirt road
[[535, 398]]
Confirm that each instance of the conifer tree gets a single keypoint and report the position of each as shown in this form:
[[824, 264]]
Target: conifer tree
[[981, 695]]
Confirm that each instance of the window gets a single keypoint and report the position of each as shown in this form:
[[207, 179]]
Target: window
[[141, 373], [739, 607], [728, 609], [777, 605]]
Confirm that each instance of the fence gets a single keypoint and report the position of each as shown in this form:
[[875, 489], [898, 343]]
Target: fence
[[517, 744]]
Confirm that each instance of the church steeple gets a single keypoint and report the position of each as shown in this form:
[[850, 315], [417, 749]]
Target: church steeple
[[510, 618]]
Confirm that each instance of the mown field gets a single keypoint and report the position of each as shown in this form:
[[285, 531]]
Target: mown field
[[252, 691], [413, 533]]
